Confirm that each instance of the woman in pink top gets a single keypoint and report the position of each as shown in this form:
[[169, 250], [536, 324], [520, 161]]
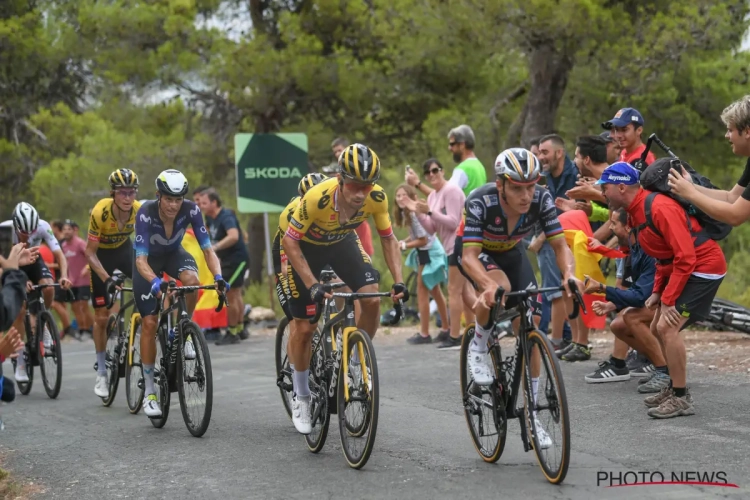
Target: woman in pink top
[[441, 215], [74, 249]]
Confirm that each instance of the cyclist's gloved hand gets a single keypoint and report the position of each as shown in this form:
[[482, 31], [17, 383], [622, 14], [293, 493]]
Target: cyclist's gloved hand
[[318, 293], [113, 281], [399, 288], [155, 286], [223, 285]]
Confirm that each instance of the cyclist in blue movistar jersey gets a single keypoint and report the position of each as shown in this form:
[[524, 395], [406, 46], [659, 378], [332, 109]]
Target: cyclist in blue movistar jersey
[[159, 227]]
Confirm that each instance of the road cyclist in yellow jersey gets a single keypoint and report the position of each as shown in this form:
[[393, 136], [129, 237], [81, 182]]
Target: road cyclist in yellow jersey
[[108, 248], [321, 233]]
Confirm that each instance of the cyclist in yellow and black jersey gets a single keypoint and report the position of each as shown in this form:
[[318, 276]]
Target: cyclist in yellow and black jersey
[[321, 233], [109, 248]]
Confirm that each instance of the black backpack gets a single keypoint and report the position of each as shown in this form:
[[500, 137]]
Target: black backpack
[[655, 177]]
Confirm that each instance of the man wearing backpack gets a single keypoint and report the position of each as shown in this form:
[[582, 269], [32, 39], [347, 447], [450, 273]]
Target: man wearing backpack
[[732, 207], [626, 128], [689, 270]]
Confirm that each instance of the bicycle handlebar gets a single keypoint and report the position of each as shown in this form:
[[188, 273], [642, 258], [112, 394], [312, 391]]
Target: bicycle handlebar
[[172, 286], [35, 288], [526, 293], [399, 306]]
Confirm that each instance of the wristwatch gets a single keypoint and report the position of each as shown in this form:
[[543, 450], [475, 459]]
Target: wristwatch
[[602, 288]]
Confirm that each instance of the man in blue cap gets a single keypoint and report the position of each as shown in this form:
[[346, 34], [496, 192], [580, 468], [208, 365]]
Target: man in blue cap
[[626, 128], [689, 271]]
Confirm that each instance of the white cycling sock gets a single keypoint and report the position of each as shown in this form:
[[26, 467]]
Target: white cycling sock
[[534, 390], [148, 378], [301, 383], [480, 342], [20, 360], [101, 362]]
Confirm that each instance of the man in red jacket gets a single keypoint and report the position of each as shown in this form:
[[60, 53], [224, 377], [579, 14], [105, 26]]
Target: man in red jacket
[[689, 270]]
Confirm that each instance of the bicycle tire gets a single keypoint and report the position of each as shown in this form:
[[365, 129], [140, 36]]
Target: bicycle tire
[[495, 451], [134, 388], [55, 351], [283, 380], [551, 365], [202, 374], [319, 399], [113, 358], [357, 461], [162, 384]]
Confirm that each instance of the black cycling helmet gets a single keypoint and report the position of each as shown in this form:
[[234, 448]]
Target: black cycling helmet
[[359, 163], [123, 177], [309, 181], [518, 165]]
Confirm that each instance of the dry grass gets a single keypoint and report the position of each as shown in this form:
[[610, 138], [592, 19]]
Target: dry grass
[[14, 489]]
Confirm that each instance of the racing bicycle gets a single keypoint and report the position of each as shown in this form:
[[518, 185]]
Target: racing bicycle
[[43, 350], [173, 373], [488, 408]]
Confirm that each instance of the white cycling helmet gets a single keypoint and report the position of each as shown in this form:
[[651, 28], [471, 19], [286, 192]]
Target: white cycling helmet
[[172, 183], [25, 218]]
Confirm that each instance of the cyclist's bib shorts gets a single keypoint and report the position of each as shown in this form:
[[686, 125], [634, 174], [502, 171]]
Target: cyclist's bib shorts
[[516, 266], [172, 263], [346, 258], [120, 258], [37, 271]]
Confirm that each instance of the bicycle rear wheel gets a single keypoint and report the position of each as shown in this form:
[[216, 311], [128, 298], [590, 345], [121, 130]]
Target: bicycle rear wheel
[[134, 385], [360, 412], [484, 407], [321, 416], [50, 358], [551, 410], [283, 370], [113, 358], [161, 378], [194, 380]]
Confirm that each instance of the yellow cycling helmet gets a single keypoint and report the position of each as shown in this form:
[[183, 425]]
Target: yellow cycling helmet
[[359, 163], [123, 177], [309, 181]]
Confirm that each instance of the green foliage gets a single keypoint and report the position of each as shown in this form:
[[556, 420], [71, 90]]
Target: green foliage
[[90, 86]]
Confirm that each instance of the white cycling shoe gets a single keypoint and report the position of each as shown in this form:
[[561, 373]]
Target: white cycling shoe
[[21, 375], [301, 415], [544, 440], [480, 367], [189, 348], [151, 406], [47, 339], [101, 388]]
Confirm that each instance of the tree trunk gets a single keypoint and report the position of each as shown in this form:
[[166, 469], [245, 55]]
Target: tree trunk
[[549, 70]]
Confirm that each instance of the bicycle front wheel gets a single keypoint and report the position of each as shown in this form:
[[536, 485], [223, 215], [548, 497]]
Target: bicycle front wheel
[[113, 358], [195, 380], [283, 370], [546, 412], [50, 354], [484, 408], [134, 384], [358, 415]]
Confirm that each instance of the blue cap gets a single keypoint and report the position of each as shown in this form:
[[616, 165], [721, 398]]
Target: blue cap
[[623, 118], [619, 173]]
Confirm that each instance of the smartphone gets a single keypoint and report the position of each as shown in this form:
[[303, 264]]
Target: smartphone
[[6, 239]]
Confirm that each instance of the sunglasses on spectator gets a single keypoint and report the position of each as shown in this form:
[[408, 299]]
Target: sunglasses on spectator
[[432, 171]]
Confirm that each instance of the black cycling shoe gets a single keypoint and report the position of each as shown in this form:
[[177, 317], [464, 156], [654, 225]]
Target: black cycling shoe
[[227, 339]]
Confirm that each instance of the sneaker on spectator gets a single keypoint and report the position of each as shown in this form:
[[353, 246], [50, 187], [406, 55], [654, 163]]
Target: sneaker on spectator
[[655, 384], [645, 371], [577, 353], [564, 349], [418, 339], [450, 343], [608, 372], [673, 406], [443, 336]]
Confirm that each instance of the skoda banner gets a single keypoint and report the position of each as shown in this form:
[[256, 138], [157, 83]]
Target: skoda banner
[[269, 168]]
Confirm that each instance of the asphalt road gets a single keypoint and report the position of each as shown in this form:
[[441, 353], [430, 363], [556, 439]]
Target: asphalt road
[[73, 447]]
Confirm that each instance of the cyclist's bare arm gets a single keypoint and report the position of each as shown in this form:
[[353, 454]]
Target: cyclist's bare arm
[[93, 260], [392, 257], [212, 261], [141, 265], [60, 258], [295, 257], [564, 257]]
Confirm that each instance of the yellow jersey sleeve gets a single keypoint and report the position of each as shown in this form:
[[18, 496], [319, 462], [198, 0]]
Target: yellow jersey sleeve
[[95, 221], [379, 207], [307, 210], [286, 215]]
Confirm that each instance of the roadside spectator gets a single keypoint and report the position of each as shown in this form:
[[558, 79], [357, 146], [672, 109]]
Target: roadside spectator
[[469, 174], [632, 326], [13, 291], [441, 214], [534, 146], [732, 207], [226, 236], [364, 231], [74, 249], [613, 147], [626, 128], [561, 174], [58, 304], [197, 192], [688, 275], [427, 256]]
